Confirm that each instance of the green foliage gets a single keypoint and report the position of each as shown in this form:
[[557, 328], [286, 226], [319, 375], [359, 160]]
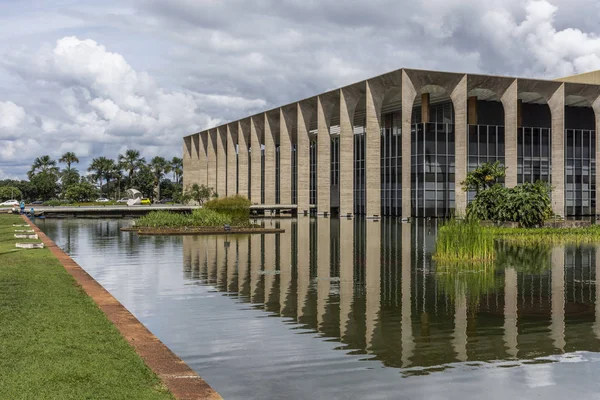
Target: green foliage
[[83, 191], [200, 193], [464, 241], [56, 342], [198, 218], [159, 167], [144, 181], [238, 207], [10, 193], [46, 184], [532, 237], [102, 169], [484, 177], [43, 164], [528, 204]]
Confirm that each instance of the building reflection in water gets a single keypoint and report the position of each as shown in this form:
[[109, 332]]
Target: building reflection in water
[[373, 287]]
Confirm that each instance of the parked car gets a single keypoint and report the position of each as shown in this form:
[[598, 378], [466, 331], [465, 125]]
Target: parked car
[[146, 201], [10, 203], [102, 200], [37, 202], [123, 200], [165, 201]]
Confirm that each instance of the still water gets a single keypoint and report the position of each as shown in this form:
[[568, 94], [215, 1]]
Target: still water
[[354, 310]]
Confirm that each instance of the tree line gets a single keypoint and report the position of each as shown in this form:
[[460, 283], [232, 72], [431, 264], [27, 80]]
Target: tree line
[[110, 178]]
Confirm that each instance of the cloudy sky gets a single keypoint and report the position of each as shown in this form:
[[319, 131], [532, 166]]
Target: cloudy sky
[[98, 77]]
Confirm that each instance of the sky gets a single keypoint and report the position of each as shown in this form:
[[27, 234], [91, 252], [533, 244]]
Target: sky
[[100, 77]]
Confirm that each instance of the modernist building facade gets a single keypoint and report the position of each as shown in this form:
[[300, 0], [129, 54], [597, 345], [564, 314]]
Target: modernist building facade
[[400, 144]]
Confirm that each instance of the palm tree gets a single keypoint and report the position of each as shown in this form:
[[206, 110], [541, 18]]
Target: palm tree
[[68, 158], [102, 167], [130, 161], [159, 167], [116, 172], [43, 164], [177, 168]]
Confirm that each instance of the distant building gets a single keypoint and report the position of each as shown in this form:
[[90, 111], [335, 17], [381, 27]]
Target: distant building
[[400, 144]]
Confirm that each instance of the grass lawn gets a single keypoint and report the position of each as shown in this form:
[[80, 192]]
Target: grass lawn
[[55, 343]]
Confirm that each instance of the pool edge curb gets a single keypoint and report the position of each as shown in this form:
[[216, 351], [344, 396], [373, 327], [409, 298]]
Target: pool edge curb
[[183, 382]]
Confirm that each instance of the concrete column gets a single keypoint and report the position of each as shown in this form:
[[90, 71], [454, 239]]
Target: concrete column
[[510, 103], [596, 325], [596, 107], [373, 281], [408, 99], [305, 114], [255, 267], [270, 268], [557, 109], [211, 156], [373, 150], [256, 132], [243, 162], [459, 100], [472, 110], [285, 264], [459, 338], [511, 331], [348, 102], [557, 324], [425, 109], [221, 188], [303, 263], [323, 156], [221, 259], [231, 159], [242, 264], [406, 330], [323, 269], [285, 156], [200, 144], [190, 175], [271, 131], [346, 274], [519, 113]]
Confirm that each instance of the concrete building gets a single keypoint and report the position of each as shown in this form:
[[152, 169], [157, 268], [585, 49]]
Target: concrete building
[[399, 144]]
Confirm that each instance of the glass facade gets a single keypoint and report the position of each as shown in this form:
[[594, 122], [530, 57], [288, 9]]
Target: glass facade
[[433, 170], [534, 154], [359, 171], [313, 171], [580, 172], [486, 144], [391, 164]]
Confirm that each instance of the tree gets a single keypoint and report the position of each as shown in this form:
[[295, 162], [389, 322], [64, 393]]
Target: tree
[[131, 161], [483, 177], [101, 168], [10, 193], [200, 193], [177, 168], [43, 164], [144, 181], [68, 158], [82, 191], [159, 167], [46, 183]]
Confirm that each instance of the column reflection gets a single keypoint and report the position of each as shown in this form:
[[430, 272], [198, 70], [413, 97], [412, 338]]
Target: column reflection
[[242, 265], [256, 268], [557, 326], [323, 268], [373, 280], [510, 312], [346, 275], [303, 240], [285, 268], [408, 341]]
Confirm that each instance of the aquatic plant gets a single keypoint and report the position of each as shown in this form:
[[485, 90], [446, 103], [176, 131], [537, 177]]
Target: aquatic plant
[[237, 207], [464, 241], [534, 236], [198, 218]]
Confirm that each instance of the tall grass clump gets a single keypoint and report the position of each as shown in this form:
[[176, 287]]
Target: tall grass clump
[[464, 241], [162, 219], [198, 218], [237, 207], [538, 236]]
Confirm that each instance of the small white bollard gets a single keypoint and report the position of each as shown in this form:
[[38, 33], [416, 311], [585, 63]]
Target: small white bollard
[[21, 225], [24, 230], [29, 245], [20, 236]]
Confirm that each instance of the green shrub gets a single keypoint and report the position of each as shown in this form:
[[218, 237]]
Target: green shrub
[[237, 207], [207, 217]]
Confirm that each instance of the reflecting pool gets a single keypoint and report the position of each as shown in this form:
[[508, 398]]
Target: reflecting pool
[[354, 309]]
